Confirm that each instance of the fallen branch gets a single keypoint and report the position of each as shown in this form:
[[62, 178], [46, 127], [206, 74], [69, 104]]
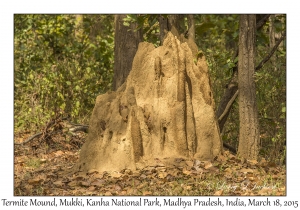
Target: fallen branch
[[37, 135], [45, 133], [83, 128], [30, 138]]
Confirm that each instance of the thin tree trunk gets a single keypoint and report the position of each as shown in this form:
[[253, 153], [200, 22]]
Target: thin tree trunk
[[163, 28], [176, 21], [230, 91], [272, 39], [249, 128], [126, 45], [191, 25]]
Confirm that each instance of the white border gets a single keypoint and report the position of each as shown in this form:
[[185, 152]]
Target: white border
[[8, 8]]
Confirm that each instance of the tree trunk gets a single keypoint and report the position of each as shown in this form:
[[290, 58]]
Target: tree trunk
[[272, 40], [177, 21], [232, 87], [172, 23], [126, 45], [163, 28], [191, 24], [249, 129], [222, 112]]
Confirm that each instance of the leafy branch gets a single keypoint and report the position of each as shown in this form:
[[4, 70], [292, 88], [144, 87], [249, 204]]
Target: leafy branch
[[260, 65]]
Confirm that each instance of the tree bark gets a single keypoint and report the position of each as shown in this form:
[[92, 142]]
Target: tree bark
[[126, 45], [163, 28], [272, 40], [177, 22], [249, 128], [230, 91], [191, 24], [232, 86]]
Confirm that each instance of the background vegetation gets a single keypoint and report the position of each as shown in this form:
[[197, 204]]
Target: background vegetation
[[62, 62], [61, 65]]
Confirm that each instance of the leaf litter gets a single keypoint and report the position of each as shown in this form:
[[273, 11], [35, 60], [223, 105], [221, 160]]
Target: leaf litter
[[43, 170]]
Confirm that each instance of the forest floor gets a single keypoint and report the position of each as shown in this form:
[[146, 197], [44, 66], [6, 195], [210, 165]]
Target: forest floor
[[41, 169]]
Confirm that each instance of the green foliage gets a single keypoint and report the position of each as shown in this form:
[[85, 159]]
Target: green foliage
[[58, 70], [271, 93], [148, 24], [217, 37]]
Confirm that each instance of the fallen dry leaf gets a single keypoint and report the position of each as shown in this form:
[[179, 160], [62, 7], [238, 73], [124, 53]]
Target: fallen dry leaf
[[162, 175], [246, 170], [116, 174], [92, 171], [98, 182], [207, 164], [43, 160], [35, 181], [147, 193], [252, 162], [58, 153], [72, 183], [186, 172], [219, 192], [58, 183], [189, 163], [84, 183], [265, 191], [108, 193]]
